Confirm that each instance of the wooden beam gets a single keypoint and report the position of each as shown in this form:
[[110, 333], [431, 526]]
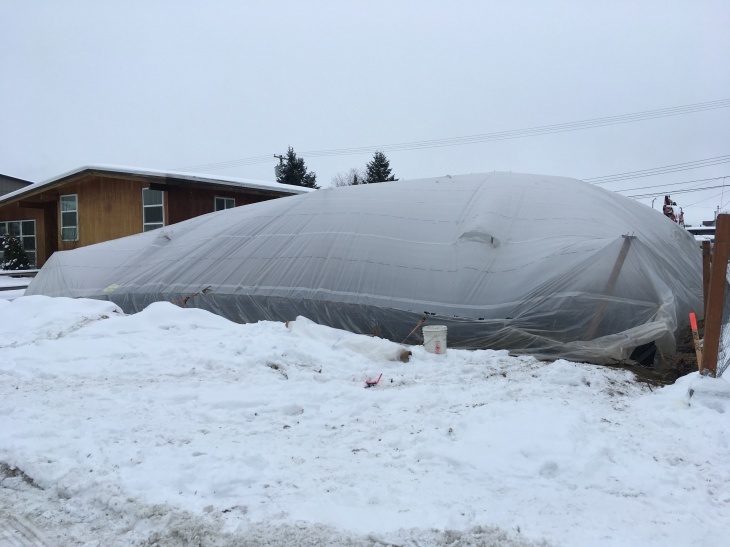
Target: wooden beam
[[610, 285], [706, 265], [716, 296], [159, 187]]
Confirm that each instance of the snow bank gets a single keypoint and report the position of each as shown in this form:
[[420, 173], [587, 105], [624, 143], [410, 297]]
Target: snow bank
[[176, 425]]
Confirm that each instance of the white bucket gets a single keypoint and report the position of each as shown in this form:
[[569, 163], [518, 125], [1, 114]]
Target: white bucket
[[434, 339]]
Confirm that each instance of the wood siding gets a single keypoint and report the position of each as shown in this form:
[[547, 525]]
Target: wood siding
[[185, 203], [110, 207]]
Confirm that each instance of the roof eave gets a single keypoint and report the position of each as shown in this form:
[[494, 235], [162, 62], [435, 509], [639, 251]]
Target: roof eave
[[172, 179]]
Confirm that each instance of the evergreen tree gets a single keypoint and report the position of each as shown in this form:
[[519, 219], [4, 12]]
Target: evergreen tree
[[378, 169], [293, 171], [14, 257]]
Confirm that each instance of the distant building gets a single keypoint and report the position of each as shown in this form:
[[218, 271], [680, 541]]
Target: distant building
[[702, 233], [11, 184], [95, 204], [706, 231]]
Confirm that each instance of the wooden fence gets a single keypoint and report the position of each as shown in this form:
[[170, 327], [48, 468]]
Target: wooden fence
[[714, 261]]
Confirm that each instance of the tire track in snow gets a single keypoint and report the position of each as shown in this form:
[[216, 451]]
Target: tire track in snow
[[19, 532]]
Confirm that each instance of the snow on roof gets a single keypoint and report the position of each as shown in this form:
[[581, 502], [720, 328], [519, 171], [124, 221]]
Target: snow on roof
[[700, 229], [193, 177]]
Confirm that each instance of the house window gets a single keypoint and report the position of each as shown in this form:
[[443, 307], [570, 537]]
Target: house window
[[224, 203], [153, 213], [25, 231], [70, 217]]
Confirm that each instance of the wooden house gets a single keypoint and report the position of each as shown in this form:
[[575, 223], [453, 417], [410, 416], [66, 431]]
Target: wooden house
[[95, 204]]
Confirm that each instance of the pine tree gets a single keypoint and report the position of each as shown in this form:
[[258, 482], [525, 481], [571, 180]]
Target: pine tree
[[293, 171], [14, 257], [378, 169]]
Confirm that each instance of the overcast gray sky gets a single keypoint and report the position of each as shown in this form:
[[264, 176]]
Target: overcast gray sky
[[173, 85]]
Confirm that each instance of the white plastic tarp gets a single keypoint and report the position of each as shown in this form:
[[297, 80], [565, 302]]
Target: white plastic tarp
[[549, 266]]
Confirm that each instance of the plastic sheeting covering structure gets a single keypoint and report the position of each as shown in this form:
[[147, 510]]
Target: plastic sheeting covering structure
[[548, 266]]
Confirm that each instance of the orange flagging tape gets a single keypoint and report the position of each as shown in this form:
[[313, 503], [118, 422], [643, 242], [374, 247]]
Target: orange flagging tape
[[696, 339]]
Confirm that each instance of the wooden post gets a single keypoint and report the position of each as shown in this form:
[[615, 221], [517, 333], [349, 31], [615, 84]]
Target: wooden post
[[601, 308], [716, 296], [706, 265]]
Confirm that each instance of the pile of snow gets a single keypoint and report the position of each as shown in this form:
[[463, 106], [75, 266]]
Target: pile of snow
[[176, 425]]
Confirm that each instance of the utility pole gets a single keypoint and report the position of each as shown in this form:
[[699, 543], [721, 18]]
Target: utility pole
[[278, 168]]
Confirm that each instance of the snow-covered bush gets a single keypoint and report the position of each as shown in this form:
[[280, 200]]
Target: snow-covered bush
[[14, 257]]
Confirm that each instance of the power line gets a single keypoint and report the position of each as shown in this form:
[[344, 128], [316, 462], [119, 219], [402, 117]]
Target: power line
[[670, 184], [684, 191], [700, 201], [557, 128], [483, 137], [660, 170], [674, 191]]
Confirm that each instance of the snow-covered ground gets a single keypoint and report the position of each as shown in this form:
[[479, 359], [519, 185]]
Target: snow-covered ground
[[175, 425]]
